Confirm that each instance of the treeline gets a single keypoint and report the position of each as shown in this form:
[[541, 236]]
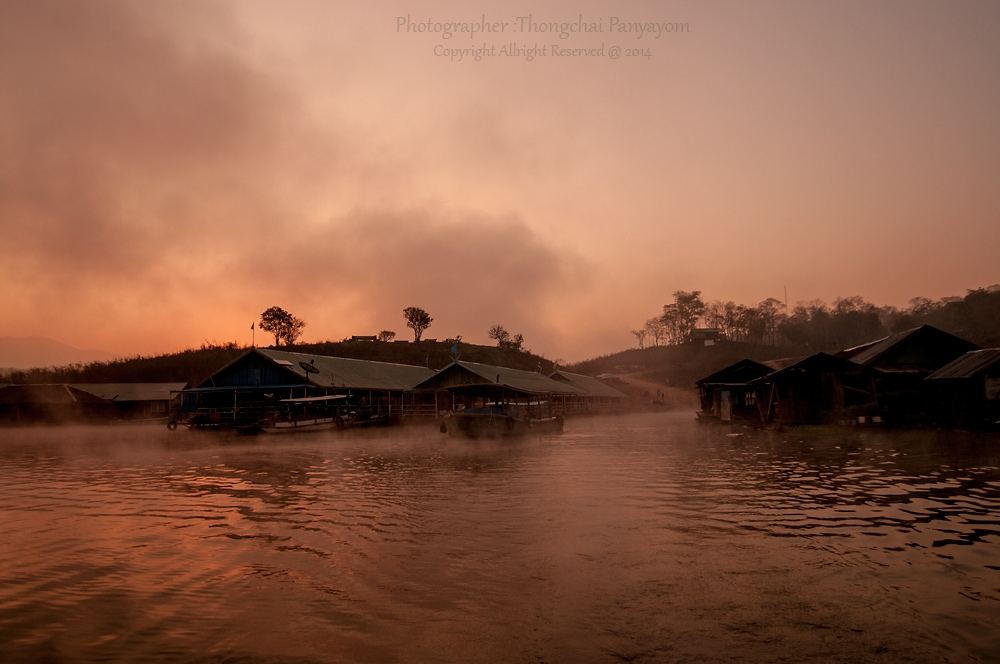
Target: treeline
[[194, 365], [818, 326], [186, 366]]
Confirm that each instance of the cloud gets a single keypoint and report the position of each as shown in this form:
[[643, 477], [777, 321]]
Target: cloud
[[469, 270], [154, 182]]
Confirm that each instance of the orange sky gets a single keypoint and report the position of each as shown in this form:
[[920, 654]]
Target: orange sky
[[169, 173]]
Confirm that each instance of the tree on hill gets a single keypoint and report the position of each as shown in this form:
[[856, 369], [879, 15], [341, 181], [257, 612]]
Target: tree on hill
[[505, 340], [417, 320], [499, 334], [656, 330], [283, 325], [640, 336], [386, 336], [681, 316]]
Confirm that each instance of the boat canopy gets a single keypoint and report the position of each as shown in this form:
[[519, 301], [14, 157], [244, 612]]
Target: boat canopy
[[329, 397]]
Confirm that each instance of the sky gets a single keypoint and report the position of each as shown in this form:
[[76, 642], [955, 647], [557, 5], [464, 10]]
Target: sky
[[170, 170]]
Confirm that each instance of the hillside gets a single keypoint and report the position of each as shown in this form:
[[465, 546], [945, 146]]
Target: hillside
[[25, 352], [193, 366], [675, 366]]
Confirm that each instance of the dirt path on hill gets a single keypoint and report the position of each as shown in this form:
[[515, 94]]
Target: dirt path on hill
[[654, 391]]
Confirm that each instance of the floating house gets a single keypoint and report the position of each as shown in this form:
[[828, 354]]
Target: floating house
[[595, 396], [903, 360], [38, 404], [252, 384], [966, 391], [463, 385], [134, 401], [818, 389], [731, 394]]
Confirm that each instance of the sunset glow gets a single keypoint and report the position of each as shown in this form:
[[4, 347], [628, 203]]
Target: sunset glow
[[170, 170]]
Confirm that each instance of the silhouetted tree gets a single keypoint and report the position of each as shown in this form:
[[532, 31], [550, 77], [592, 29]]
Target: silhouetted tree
[[505, 340], [417, 320], [656, 330], [640, 336], [681, 316], [499, 334], [386, 335], [283, 325]]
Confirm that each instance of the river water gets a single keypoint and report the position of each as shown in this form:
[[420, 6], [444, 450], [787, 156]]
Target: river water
[[638, 538]]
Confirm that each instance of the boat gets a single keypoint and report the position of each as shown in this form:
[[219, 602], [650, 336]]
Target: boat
[[355, 419], [497, 421], [306, 414]]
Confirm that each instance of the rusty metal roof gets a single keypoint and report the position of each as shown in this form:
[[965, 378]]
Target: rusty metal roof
[[465, 374], [969, 365], [327, 371]]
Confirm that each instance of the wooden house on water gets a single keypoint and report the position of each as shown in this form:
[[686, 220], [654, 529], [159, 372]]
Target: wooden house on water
[[462, 385], [49, 404], [903, 361], [730, 394], [966, 392], [253, 385], [134, 401], [595, 395], [819, 389]]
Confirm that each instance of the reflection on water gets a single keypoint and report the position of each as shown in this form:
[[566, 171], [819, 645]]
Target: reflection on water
[[646, 538]]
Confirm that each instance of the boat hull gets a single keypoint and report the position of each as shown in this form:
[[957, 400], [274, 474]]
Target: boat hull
[[494, 425]]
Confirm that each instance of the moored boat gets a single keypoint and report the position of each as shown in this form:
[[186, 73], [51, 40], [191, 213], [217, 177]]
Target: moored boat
[[496, 421]]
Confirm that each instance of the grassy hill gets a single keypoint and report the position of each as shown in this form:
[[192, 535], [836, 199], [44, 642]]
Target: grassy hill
[[194, 365], [676, 366]]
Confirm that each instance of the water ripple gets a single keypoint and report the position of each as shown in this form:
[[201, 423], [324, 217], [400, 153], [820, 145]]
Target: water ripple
[[625, 538]]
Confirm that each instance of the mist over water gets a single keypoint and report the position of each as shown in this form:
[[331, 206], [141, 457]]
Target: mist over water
[[645, 538]]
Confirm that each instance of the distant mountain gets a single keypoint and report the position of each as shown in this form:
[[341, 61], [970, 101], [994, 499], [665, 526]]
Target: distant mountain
[[29, 352]]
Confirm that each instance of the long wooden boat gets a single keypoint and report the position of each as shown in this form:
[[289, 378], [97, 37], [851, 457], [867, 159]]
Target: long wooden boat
[[306, 414], [493, 422]]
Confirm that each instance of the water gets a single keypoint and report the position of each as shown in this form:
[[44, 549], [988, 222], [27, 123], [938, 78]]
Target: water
[[646, 538]]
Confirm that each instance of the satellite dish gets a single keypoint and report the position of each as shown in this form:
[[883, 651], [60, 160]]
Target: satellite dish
[[308, 368]]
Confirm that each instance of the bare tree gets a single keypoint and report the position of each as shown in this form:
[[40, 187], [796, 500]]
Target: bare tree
[[505, 339], [499, 334], [656, 329], [640, 336]]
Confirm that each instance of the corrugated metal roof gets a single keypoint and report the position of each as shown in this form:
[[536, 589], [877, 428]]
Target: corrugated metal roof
[[742, 371], [824, 360], [590, 386], [746, 370], [131, 391], [968, 365], [530, 382], [326, 371], [870, 353]]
